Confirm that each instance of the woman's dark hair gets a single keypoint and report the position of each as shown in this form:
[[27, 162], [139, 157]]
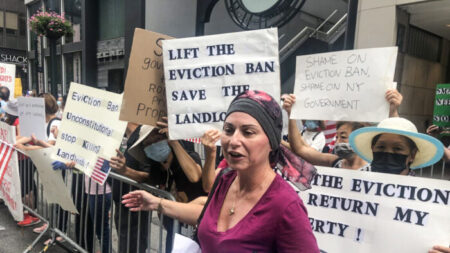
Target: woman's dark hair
[[10, 119], [51, 107], [355, 125], [411, 144]]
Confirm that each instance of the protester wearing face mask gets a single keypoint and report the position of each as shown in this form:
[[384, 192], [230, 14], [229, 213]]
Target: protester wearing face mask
[[171, 163], [343, 156], [313, 135], [395, 146]]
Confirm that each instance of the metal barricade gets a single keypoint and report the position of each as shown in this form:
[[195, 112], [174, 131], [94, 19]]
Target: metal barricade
[[103, 223], [439, 170]]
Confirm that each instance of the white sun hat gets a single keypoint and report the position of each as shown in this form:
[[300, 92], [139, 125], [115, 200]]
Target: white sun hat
[[430, 149]]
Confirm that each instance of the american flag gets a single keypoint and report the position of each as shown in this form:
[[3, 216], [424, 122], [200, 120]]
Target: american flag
[[194, 140], [6, 151], [101, 171]]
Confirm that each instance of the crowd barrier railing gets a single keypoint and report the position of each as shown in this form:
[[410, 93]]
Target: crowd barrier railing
[[103, 223]]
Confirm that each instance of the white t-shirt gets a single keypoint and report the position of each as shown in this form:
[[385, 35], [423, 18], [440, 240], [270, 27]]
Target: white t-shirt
[[55, 123], [319, 139]]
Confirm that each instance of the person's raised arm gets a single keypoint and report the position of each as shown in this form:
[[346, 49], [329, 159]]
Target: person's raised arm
[[394, 99], [209, 140], [118, 163], [299, 146], [185, 212], [191, 169]]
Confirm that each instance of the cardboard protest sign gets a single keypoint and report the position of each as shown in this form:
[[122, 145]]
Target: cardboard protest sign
[[32, 117], [358, 211], [55, 190], [144, 97], [10, 190], [8, 77], [441, 114], [204, 74], [90, 127], [345, 85]]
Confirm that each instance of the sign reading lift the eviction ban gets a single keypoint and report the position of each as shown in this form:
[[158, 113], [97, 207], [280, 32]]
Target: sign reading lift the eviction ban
[[8, 77], [204, 74], [358, 211], [90, 127], [346, 85], [144, 97]]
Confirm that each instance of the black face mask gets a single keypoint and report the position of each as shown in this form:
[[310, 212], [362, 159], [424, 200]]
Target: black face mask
[[388, 162]]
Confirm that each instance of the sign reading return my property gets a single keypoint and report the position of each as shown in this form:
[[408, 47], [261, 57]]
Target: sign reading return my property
[[90, 127], [204, 74], [346, 85], [354, 211], [144, 97]]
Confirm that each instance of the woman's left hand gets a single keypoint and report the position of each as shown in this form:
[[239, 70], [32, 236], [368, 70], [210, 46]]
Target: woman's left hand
[[439, 249], [140, 201]]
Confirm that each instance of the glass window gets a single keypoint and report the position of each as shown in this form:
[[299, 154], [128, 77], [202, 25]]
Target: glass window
[[72, 12], [22, 25], [72, 69], [111, 19], [53, 5], [1, 19], [11, 23]]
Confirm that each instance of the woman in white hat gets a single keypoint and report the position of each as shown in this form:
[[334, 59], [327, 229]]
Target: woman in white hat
[[395, 146]]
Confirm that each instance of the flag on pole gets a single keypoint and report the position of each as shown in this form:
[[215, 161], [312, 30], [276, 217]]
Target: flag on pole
[[6, 151], [101, 171]]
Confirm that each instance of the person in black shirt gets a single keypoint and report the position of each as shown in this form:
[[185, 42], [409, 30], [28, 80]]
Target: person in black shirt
[[126, 165], [173, 165]]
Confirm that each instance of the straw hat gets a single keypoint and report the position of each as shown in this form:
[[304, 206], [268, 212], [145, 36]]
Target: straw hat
[[12, 108], [430, 150], [136, 151]]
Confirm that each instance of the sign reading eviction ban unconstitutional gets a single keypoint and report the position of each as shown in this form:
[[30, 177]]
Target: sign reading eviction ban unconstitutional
[[204, 74], [346, 85], [90, 127], [358, 211]]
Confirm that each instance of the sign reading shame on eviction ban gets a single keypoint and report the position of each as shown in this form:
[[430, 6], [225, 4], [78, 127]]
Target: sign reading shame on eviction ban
[[346, 85], [8, 77], [32, 117], [144, 98], [90, 127], [10, 190], [204, 74], [441, 113], [358, 211]]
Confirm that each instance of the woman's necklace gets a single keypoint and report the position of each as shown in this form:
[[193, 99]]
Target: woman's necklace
[[232, 209]]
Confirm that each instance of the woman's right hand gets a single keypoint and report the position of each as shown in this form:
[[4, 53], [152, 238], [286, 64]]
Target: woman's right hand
[[141, 201], [288, 101], [439, 249], [210, 138]]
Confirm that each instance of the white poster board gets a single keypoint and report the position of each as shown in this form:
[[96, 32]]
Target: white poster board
[[90, 127], [32, 117], [204, 74], [345, 85], [8, 77], [55, 190], [358, 211], [10, 190]]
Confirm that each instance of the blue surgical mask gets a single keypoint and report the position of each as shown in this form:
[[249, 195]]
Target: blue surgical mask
[[158, 151], [311, 124], [58, 103]]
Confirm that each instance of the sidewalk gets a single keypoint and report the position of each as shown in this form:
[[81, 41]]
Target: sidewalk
[[14, 239]]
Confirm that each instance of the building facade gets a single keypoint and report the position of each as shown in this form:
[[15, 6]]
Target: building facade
[[13, 46]]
